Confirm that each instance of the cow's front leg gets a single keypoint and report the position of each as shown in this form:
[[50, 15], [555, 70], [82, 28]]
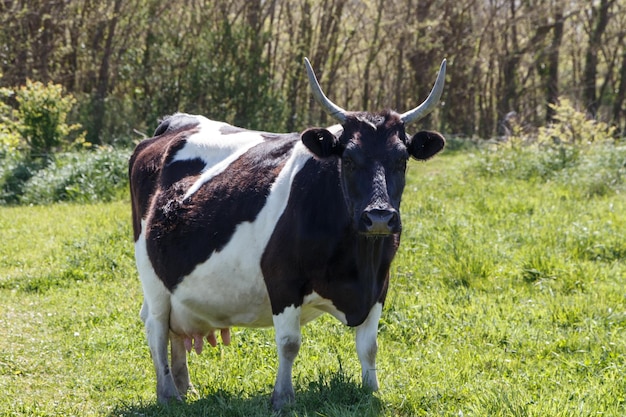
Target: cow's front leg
[[288, 339], [367, 346]]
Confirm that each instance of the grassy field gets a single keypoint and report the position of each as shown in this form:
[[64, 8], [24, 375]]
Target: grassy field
[[508, 298]]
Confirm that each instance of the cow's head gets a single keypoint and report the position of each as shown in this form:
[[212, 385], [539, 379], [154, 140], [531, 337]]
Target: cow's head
[[373, 149]]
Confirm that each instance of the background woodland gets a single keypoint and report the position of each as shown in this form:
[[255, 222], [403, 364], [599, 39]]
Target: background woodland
[[129, 62]]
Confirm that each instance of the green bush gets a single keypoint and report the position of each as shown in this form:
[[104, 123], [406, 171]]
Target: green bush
[[574, 150], [573, 127], [15, 170], [601, 170], [39, 120], [100, 175], [9, 136]]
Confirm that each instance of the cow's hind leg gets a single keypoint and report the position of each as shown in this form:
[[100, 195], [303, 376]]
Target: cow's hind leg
[[180, 371], [288, 339], [367, 346], [157, 332]]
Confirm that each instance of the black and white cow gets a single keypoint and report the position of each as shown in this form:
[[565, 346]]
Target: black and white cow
[[234, 227]]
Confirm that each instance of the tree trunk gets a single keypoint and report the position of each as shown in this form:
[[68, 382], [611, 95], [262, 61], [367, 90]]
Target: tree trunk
[[371, 56], [102, 87], [621, 95], [552, 81], [294, 76], [509, 61], [599, 22]]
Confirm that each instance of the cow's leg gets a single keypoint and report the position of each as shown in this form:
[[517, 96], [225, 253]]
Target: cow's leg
[[367, 346], [157, 331], [288, 339], [155, 314], [180, 371]]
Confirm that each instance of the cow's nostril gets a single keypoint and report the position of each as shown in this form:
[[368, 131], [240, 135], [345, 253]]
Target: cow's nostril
[[394, 220], [379, 222]]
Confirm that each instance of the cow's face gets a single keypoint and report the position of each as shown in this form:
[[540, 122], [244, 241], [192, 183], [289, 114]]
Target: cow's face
[[373, 151]]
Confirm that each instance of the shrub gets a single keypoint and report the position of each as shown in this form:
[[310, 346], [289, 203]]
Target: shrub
[[574, 150], [15, 170], [40, 119], [100, 175], [572, 127], [599, 171], [9, 136]]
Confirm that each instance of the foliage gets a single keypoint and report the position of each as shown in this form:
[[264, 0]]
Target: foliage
[[40, 119], [15, 170], [573, 127], [573, 150], [129, 63], [232, 84], [9, 128], [101, 175], [81, 176]]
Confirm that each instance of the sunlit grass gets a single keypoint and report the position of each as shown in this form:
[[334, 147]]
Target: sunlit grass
[[507, 299]]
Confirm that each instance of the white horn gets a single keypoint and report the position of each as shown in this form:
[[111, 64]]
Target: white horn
[[334, 110], [431, 101]]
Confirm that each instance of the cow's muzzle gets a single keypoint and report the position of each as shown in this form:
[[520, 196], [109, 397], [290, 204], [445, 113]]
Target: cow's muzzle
[[379, 222]]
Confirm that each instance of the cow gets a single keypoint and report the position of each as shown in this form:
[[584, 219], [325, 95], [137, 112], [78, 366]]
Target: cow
[[234, 227]]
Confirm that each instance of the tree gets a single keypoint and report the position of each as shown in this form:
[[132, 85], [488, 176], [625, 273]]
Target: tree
[[598, 21], [128, 63]]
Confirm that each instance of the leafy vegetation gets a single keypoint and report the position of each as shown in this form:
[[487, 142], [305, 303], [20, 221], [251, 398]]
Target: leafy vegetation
[[128, 63], [101, 175], [38, 124], [506, 300], [33, 134], [573, 151], [97, 175]]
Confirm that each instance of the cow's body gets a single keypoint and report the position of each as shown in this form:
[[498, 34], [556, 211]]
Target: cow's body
[[242, 228]]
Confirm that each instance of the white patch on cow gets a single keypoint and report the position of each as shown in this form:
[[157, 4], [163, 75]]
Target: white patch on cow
[[215, 149], [211, 145], [288, 340], [367, 346], [336, 130], [155, 313], [228, 289], [156, 296], [314, 305]]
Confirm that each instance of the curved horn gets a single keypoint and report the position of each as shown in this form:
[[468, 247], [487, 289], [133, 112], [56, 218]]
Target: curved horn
[[431, 101], [334, 110]]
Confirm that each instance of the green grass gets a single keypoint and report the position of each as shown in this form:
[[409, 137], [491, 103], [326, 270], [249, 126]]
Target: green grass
[[507, 299]]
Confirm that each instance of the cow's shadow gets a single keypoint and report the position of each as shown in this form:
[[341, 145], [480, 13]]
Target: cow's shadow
[[329, 395]]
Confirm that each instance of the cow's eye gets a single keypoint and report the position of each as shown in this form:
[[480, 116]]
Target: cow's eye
[[400, 164]]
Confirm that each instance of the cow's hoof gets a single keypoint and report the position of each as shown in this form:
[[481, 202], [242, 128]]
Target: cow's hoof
[[169, 400], [280, 399], [190, 392], [166, 395]]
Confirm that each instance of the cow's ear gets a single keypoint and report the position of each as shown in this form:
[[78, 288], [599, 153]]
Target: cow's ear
[[321, 142], [426, 144]]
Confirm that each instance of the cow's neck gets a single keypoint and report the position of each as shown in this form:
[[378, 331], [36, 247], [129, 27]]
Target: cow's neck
[[372, 262]]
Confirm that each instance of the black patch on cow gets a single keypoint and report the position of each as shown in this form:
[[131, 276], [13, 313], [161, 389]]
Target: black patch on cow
[[315, 248], [183, 234], [175, 171], [145, 167]]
